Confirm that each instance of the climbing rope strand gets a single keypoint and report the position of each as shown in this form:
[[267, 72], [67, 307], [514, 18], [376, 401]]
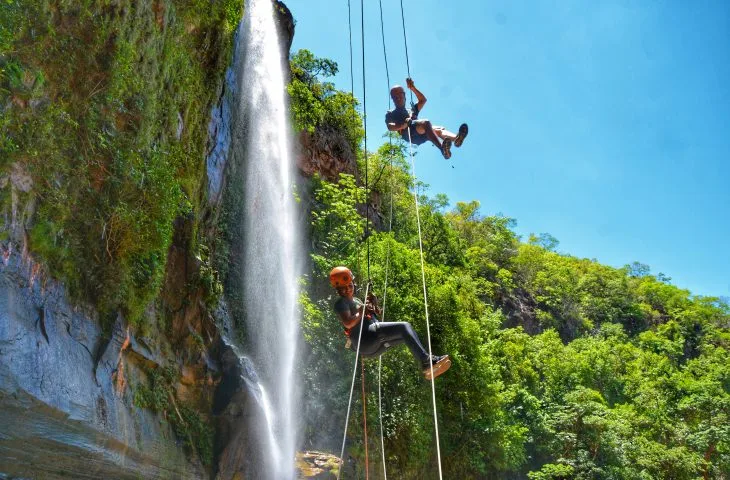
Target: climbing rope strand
[[425, 302], [387, 254], [405, 42], [352, 386], [385, 297], [365, 127], [390, 152], [349, 24], [358, 249], [380, 414], [390, 230], [364, 418], [390, 142], [385, 54]]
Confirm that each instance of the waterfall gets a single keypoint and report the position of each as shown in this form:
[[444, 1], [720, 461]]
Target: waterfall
[[269, 230]]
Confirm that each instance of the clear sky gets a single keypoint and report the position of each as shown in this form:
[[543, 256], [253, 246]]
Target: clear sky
[[605, 124]]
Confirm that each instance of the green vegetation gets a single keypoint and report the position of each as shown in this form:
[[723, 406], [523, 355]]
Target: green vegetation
[[562, 367], [107, 104], [208, 279], [317, 105], [159, 396]]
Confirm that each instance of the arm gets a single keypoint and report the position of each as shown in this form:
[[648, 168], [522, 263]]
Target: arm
[[397, 127], [348, 320], [421, 97], [372, 305]]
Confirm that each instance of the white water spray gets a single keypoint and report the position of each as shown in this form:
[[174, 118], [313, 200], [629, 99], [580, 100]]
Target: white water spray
[[271, 260]]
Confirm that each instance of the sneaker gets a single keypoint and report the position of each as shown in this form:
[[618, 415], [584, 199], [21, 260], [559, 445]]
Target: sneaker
[[463, 132], [446, 148], [440, 365]]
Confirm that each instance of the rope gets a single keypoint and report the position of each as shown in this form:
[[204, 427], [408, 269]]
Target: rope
[[365, 124], [364, 418], [352, 386], [352, 93], [405, 42], [385, 297], [380, 414], [385, 54], [367, 236], [387, 254], [425, 301], [420, 246], [349, 24]]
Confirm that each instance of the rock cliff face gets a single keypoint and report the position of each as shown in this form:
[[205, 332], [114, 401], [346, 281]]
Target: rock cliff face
[[66, 409], [326, 152], [69, 386]]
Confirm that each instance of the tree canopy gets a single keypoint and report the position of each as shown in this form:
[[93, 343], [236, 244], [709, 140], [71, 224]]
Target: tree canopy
[[562, 367]]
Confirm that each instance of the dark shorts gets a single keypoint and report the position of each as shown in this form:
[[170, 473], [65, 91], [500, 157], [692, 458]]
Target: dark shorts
[[416, 138]]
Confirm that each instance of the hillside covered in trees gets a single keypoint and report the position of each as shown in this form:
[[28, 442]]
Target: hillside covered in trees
[[563, 367]]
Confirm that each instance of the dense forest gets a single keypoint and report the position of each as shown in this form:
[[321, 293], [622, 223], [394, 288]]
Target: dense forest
[[563, 367]]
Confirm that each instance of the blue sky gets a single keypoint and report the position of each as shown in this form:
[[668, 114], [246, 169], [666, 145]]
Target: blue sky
[[605, 124]]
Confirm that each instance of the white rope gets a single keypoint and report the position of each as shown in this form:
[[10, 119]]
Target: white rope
[[380, 410], [352, 387], [385, 296], [387, 254], [425, 300]]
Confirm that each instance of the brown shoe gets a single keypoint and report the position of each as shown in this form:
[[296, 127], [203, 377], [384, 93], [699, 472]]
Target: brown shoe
[[446, 148], [463, 132], [440, 365]]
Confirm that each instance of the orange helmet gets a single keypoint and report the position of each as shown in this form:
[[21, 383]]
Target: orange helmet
[[341, 277]]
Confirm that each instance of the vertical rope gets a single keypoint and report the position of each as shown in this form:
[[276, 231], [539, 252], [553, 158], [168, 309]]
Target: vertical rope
[[387, 254], [365, 123], [405, 42], [390, 143], [380, 414], [358, 248], [349, 24], [425, 302], [364, 418], [385, 54], [352, 387]]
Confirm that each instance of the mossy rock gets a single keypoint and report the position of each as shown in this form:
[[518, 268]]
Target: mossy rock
[[317, 465]]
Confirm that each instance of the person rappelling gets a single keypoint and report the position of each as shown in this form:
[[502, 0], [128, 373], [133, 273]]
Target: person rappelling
[[378, 336], [401, 120]]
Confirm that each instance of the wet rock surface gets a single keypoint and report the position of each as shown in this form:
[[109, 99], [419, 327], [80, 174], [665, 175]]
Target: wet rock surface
[[64, 408], [242, 433]]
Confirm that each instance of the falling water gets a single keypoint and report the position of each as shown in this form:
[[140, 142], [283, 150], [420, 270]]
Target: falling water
[[270, 259]]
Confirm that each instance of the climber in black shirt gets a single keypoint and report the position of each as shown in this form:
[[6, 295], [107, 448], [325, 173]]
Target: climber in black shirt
[[377, 336], [416, 130]]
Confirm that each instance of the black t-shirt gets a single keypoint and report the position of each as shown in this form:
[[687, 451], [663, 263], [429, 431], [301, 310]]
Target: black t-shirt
[[346, 305], [350, 306], [398, 115]]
